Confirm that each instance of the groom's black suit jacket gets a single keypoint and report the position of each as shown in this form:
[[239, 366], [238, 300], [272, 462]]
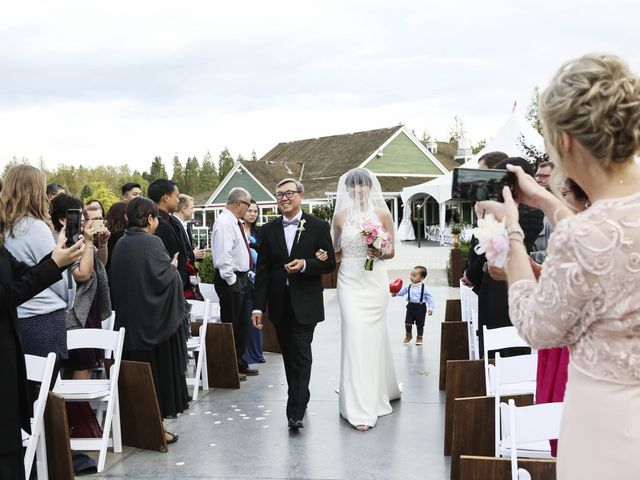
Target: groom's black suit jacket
[[305, 288]]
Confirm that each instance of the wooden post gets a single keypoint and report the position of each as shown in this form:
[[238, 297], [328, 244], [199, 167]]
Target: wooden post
[[453, 310], [454, 345], [457, 267], [473, 427], [222, 363], [481, 468], [465, 378], [56, 430], [269, 337]]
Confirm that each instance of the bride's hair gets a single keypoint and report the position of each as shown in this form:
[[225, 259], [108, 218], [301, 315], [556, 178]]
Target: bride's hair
[[358, 177]]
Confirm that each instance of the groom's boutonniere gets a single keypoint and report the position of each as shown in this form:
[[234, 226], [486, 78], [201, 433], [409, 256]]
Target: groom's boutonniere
[[300, 229]]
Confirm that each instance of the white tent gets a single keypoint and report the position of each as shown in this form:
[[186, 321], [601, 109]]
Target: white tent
[[507, 140]]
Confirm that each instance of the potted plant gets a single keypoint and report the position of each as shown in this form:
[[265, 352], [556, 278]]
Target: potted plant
[[455, 235]]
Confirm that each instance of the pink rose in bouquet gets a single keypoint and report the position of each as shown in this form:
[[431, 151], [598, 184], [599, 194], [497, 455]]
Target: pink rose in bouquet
[[376, 238]]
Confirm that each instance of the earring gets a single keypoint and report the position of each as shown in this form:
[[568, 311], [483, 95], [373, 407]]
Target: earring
[[587, 205]]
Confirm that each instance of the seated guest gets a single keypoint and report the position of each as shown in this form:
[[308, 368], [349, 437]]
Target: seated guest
[[92, 302], [18, 283], [25, 223], [149, 302]]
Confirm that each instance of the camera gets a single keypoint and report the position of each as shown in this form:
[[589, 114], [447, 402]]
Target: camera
[[474, 185]]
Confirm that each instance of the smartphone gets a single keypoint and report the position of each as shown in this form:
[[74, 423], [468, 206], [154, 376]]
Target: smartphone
[[72, 227], [100, 226], [474, 184]]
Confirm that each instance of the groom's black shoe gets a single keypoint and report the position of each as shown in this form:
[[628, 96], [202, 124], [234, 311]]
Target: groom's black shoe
[[295, 424]]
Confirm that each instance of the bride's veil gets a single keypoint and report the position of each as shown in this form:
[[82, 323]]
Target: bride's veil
[[359, 195]]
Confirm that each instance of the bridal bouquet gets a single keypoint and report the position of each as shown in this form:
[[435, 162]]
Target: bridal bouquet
[[493, 240], [376, 237]]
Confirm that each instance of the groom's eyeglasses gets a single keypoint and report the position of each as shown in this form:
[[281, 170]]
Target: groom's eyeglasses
[[289, 194]]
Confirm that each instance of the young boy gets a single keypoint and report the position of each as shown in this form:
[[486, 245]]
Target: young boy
[[419, 303]]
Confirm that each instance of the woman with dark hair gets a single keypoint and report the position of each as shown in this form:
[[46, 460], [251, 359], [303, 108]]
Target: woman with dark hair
[[253, 348], [92, 303], [150, 305], [493, 308], [116, 222]]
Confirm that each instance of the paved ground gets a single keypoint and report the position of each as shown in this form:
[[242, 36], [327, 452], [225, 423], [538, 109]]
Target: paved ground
[[242, 434]]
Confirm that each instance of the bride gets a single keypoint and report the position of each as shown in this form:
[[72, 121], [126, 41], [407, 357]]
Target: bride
[[367, 375]]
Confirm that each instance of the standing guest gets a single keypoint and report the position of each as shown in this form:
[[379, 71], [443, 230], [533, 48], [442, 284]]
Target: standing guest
[[26, 225], [116, 222], [96, 205], [253, 350], [183, 215], [587, 296], [165, 194], [92, 303], [233, 263], [543, 178], [18, 283], [130, 191], [149, 304], [54, 189]]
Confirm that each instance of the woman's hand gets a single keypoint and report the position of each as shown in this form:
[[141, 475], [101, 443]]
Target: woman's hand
[[374, 252], [322, 255], [527, 189], [90, 231], [174, 260], [63, 256], [507, 210], [103, 237]]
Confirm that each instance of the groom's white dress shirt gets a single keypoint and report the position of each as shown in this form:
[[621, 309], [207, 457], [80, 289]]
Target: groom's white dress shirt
[[290, 232], [230, 253]]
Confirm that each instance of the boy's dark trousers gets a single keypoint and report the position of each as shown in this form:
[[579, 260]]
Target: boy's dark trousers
[[416, 313]]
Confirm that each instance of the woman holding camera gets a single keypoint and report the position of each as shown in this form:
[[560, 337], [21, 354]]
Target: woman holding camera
[[92, 302], [20, 282], [588, 294]]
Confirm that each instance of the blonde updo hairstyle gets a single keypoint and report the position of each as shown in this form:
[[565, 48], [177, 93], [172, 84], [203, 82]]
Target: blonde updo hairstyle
[[596, 99]]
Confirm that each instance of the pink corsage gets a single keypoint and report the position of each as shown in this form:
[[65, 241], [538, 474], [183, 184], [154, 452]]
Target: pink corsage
[[493, 240]]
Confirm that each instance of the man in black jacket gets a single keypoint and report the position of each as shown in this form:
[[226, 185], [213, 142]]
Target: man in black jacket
[[165, 194], [289, 284]]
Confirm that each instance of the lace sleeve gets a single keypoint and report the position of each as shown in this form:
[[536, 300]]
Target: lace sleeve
[[558, 308]]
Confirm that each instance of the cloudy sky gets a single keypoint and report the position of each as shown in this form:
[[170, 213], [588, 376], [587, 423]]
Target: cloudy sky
[[85, 82]]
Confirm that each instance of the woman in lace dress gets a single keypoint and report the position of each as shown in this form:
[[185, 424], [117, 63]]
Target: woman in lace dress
[[367, 375], [588, 294]]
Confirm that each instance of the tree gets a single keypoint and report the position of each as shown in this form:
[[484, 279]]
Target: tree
[[456, 130], [86, 192], [532, 110], [479, 146], [208, 179], [254, 157], [192, 176], [178, 173], [426, 137], [13, 162], [104, 194], [225, 162], [157, 170]]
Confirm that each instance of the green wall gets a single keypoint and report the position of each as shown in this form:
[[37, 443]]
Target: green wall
[[403, 156], [242, 179]]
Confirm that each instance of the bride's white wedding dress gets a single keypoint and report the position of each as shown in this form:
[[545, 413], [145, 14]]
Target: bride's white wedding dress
[[367, 374]]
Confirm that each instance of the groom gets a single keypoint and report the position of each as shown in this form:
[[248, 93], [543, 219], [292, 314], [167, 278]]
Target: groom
[[288, 284]]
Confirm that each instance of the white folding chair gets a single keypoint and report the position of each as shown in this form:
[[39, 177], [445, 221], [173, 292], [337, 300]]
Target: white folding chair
[[469, 311], [496, 339], [208, 291], [39, 369], [108, 325], [103, 391], [528, 426], [197, 345], [513, 375]]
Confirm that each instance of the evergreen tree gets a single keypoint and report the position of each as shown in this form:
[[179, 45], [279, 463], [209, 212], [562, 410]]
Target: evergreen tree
[[178, 173], [157, 170], [225, 162], [240, 158], [192, 176], [86, 192], [208, 178]]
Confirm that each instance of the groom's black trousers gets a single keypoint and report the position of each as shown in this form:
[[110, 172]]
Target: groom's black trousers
[[295, 344]]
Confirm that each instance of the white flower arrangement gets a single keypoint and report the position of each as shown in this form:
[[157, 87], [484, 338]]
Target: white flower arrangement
[[300, 229], [493, 240]]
